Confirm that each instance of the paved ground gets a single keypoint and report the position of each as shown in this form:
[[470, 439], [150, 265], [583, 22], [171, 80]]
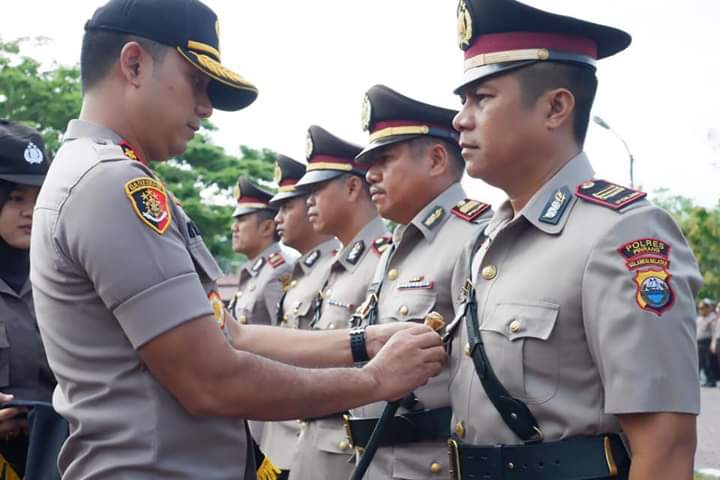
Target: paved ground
[[708, 451]]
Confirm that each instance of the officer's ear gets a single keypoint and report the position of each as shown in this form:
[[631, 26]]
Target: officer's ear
[[132, 62], [267, 228], [559, 108], [439, 159]]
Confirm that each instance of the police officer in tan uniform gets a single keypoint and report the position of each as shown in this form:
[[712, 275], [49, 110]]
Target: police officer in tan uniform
[[124, 286], [339, 204], [297, 305], [415, 171], [266, 274], [577, 345]]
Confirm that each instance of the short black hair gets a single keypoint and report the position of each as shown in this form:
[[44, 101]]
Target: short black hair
[[262, 215], [581, 81], [363, 182], [101, 49], [457, 163]]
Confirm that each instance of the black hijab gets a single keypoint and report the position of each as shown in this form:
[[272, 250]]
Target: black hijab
[[14, 262]]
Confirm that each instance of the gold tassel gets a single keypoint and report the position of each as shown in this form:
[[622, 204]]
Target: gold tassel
[[268, 471], [6, 470]]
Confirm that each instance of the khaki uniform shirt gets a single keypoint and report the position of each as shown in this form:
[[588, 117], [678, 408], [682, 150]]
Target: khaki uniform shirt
[[280, 438], [575, 315], [24, 370], [115, 262], [416, 281], [260, 288], [350, 275]]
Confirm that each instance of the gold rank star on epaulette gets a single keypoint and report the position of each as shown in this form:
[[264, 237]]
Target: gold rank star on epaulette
[[469, 209]]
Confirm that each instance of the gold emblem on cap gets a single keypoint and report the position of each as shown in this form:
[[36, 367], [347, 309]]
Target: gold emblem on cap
[[465, 28], [237, 192], [308, 146], [278, 173], [366, 113]]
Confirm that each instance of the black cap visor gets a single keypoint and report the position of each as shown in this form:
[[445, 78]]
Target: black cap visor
[[23, 179], [315, 177], [240, 211], [228, 91], [281, 197], [366, 156]]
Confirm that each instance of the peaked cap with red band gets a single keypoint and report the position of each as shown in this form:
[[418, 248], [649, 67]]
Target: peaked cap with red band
[[250, 198], [329, 157], [501, 35], [391, 117], [287, 174]]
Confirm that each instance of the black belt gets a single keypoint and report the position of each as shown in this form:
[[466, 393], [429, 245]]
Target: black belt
[[411, 427], [579, 458]]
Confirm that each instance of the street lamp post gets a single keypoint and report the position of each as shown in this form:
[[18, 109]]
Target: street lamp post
[[605, 125]]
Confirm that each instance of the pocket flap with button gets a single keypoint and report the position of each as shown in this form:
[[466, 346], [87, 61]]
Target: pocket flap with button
[[519, 320], [403, 306]]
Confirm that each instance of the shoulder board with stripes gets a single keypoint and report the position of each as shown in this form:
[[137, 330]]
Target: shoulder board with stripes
[[469, 210], [276, 259], [607, 194], [381, 244]]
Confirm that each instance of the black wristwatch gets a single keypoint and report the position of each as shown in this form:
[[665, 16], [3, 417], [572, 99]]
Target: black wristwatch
[[358, 346]]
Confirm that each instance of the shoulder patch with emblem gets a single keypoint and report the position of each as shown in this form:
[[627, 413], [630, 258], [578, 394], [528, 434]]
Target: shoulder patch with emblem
[[610, 195], [556, 206], [356, 252], [150, 201], [276, 259], [649, 258], [381, 244], [311, 259], [431, 220], [469, 210]]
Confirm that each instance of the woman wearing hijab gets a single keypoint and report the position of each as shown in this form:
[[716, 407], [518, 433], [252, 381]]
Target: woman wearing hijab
[[25, 376]]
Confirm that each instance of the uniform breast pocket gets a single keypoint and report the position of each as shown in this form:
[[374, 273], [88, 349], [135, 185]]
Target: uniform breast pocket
[[408, 306], [4, 357], [518, 342]]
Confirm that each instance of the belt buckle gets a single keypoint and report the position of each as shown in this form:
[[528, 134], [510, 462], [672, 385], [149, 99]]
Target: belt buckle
[[454, 460], [348, 429]]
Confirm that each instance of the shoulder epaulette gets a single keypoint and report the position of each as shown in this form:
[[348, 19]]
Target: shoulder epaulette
[[381, 244], [276, 259], [469, 210], [607, 194]]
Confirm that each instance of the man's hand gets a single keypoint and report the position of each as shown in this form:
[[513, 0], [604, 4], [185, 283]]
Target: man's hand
[[10, 425], [378, 335], [411, 356]]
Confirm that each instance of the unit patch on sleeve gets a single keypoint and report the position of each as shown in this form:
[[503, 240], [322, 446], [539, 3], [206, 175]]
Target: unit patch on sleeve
[[649, 258], [150, 201], [469, 209], [608, 194]]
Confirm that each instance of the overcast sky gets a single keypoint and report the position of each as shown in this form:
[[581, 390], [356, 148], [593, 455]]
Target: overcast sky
[[314, 59]]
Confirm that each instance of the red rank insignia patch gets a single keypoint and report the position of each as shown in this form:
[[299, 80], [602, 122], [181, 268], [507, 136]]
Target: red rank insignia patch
[[150, 201], [649, 258], [218, 308], [130, 152]]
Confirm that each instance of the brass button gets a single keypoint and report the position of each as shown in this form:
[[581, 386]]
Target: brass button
[[460, 429], [242, 319], [393, 274], [436, 467], [404, 310], [293, 284], [543, 54], [343, 445], [332, 325], [489, 272], [515, 326], [328, 292], [467, 349]]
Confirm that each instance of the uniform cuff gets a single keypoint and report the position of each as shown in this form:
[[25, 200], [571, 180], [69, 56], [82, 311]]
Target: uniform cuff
[[161, 308]]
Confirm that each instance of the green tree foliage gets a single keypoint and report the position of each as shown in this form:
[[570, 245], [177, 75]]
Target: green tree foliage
[[47, 97], [42, 98], [701, 227]]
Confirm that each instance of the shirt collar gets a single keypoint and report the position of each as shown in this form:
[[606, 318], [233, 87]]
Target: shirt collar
[[434, 215], [83, 129], [549, 209], [373, 229], [323, 250], [254, 266]]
